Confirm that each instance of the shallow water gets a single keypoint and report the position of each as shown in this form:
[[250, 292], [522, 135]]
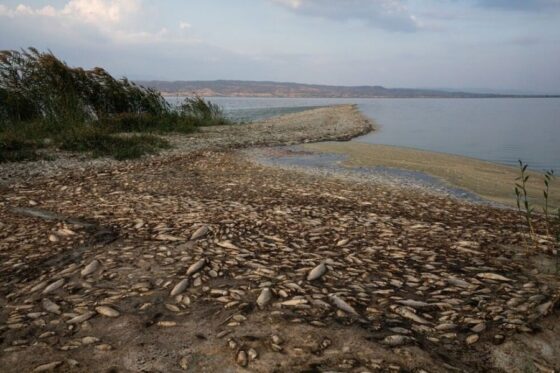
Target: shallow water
[[332, 164], [496, 130]]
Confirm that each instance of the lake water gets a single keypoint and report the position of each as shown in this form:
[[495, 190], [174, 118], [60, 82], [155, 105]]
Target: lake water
[[497, 130]]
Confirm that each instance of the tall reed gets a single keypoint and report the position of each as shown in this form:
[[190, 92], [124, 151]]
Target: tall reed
[[44, 101]]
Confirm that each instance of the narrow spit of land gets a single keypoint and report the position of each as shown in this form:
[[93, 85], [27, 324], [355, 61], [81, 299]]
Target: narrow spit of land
[[207, 261]]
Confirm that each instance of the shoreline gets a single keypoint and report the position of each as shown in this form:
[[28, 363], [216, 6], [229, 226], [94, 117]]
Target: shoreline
[[198, 256], [331, 123], [323, 130], [489, 180]]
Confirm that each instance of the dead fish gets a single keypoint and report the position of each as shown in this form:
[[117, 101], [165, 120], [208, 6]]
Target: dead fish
[[39, 286], [107, 311], [90, 340], [472, 339], [200, 232], [172, 307], [479, 327], [396, 340], [227, 245], [317, 272], [294, 302], [545, 308], [54, 286], [407, 314], [458, 282], [50, 306], [492, 276], [48, 366], [81, 318], [413, 303], [264, 297], [168, 237], [90, 268], [342, 305], [180, 287], [342, 242], [445, 327], [196, 267]]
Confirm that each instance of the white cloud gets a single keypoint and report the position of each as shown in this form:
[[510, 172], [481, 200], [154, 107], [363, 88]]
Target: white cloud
[[385, 14], [100, 11], [122, 21], [184, 25]]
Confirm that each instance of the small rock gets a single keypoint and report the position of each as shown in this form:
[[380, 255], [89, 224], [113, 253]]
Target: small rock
[[242, 359], [184, 363], [253, 354], [264, 298], [276, 339]]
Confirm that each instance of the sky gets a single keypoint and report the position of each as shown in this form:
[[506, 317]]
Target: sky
[[495, 45]]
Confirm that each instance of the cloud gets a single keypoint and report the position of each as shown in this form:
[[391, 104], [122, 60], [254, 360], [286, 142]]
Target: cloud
[[184, 25], [100, 11], [520, 5], [390, 15], [121, 21]]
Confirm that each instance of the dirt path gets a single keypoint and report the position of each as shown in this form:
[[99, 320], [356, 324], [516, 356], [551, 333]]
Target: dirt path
[[208, 262]]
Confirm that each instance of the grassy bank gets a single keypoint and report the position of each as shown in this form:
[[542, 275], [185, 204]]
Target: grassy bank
[[44, 103]]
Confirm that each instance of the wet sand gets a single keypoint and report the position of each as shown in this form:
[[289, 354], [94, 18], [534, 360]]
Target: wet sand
[[489, 180]]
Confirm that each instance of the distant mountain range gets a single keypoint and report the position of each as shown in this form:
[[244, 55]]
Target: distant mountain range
[[241, 88]]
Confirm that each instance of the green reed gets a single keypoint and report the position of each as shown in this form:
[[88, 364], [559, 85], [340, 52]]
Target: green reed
[[44, 102]]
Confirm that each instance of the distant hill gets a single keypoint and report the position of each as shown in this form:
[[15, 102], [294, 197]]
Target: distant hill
[[239, 88]]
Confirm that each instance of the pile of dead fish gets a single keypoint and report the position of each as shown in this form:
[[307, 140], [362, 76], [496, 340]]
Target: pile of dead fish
[[251, 240]]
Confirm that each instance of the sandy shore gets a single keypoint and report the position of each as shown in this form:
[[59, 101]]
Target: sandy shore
[[489, 180], [340, 122], [205, 261]]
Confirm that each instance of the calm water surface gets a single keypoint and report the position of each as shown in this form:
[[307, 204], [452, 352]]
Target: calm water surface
[[497, 130]]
